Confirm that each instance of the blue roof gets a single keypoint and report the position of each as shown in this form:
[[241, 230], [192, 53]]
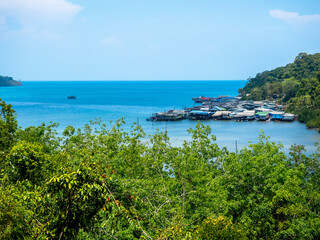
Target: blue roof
[[217, 108], [200, 113]]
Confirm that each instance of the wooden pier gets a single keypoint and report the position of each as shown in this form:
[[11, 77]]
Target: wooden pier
[[227, 108]]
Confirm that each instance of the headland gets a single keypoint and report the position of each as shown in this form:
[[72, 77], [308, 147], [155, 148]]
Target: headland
[[9, 82]]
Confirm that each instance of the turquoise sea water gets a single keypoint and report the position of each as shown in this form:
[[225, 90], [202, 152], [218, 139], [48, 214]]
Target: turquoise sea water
[[37, 102]]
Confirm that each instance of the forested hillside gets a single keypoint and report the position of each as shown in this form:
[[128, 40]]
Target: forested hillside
[[100, 182], [296, 85], [8, 82]]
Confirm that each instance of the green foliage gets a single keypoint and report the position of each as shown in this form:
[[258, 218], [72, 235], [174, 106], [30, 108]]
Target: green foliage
[[220, 229], [8, 126], [44, 135], [22, 211], [8, 81], [178, 231], [100, 182], [297, 85], [77, 196], [14, 217], [25, 161]]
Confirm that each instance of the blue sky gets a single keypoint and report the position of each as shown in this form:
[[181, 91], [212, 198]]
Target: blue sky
[[153, 39]]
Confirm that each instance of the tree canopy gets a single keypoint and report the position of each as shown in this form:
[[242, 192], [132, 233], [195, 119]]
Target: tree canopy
[[99, 182], [297, 85], [8, 81]]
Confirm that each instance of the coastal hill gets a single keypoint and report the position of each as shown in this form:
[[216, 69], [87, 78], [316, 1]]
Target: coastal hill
[[296, 85], [8, 82]]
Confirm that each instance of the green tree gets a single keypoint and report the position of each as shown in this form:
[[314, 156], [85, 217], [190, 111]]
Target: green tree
[[297, 85], [77, 196], [220, 229], [26, 161], [8, 126], [46, 135]]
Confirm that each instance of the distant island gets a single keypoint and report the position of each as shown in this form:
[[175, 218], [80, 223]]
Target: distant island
[[9, 82], [296, 86]]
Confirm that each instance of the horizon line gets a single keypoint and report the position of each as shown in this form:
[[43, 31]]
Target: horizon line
[[131, 80]]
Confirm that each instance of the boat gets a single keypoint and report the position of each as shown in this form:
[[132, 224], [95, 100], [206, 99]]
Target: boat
[[72, 97], [201, 99], [172, 115]]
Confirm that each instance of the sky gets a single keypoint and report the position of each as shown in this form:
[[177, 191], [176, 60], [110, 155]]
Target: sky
[[43, 40]]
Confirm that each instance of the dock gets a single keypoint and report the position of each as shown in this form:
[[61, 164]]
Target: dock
[[172, 115], [227, 108]]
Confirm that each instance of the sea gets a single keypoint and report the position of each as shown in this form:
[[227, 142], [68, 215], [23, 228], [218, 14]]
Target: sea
[[46, 101]]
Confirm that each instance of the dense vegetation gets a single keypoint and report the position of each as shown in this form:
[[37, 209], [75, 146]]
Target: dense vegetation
[[296, 85], [100, 182], [8, 81]]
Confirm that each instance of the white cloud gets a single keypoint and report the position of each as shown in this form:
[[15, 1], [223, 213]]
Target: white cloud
[[30, 12], [37, 19], [293, 17]]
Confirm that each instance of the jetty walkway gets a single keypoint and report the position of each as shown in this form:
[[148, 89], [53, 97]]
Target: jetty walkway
[[227, 108]]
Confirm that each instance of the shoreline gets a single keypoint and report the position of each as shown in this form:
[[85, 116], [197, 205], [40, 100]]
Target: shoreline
[[227, 108]]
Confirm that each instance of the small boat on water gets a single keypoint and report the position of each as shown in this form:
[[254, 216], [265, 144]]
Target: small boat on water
[[201, 99], [172, 115], [72, 97]]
